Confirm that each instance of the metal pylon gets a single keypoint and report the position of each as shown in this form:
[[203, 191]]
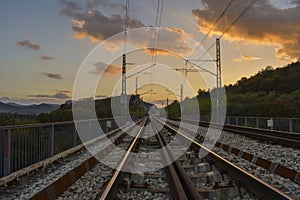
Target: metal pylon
[[124, 95], [219, 79]]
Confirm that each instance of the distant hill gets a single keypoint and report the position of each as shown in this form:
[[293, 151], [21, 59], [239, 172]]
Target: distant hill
[[102, 107], [28, 109], [268, 93], [281, 80]]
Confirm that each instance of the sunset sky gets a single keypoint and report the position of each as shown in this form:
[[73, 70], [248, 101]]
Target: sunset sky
[[43, 43]]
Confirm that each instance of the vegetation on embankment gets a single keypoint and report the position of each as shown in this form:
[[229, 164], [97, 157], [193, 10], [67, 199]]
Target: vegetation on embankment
[[102, 107], [270, 92]]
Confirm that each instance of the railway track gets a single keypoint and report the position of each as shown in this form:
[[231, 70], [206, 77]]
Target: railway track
[[68, 177], [252, 183], [181, 186], [188, 177], [110, 190], [270, 136], [273, 167]]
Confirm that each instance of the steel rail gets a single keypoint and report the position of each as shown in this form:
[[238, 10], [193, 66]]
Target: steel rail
[[286, 139], [283, 138], [181, 186], [252, 183], [110, 189], [276, 168], [56, 188]]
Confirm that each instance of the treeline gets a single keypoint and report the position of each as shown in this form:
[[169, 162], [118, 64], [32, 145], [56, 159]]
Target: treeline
[[270, 92], [102, 108], [7, 119], [64, 112]]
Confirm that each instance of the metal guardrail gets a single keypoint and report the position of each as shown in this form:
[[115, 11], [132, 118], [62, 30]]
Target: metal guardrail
[[279, 124], [25, 145]]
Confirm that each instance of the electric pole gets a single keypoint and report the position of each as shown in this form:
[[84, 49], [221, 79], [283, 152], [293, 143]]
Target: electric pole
[[181, 93], [136, 85], [124, 95], [167, 106], [219, 79], [218, 76]]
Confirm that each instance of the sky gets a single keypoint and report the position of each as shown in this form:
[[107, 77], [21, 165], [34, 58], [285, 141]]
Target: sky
[[44, 43]]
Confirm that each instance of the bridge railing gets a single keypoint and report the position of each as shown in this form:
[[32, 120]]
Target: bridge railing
[[25, 145], [279, 124]]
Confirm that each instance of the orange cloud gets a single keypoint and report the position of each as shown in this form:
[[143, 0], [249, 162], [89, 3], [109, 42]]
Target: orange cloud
[[262, 24], [94, 25], [246, 58], [45, 57], [168, 42], [152, 51], [107, 70], [113, 69], [180, 31], [97, 27]]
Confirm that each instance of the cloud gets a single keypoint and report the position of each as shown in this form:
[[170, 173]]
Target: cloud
[[70, 9], [171, 40], [151, 51], [246, 58], [96, 3], [5, 99], [55, 96], [64, 91], [98, 27], [45, 57], [101, 96], [52, 75], [34, 47], [29, 45], [110, 70], [262, 24], [88, 22]]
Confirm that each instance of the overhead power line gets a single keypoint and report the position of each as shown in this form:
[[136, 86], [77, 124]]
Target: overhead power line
[[158, 22], [213, 26], [142, 70], [244, 11], [159, 11], [238, 17]]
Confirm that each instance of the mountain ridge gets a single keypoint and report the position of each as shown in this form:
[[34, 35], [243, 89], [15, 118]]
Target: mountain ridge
[[12, 107]]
